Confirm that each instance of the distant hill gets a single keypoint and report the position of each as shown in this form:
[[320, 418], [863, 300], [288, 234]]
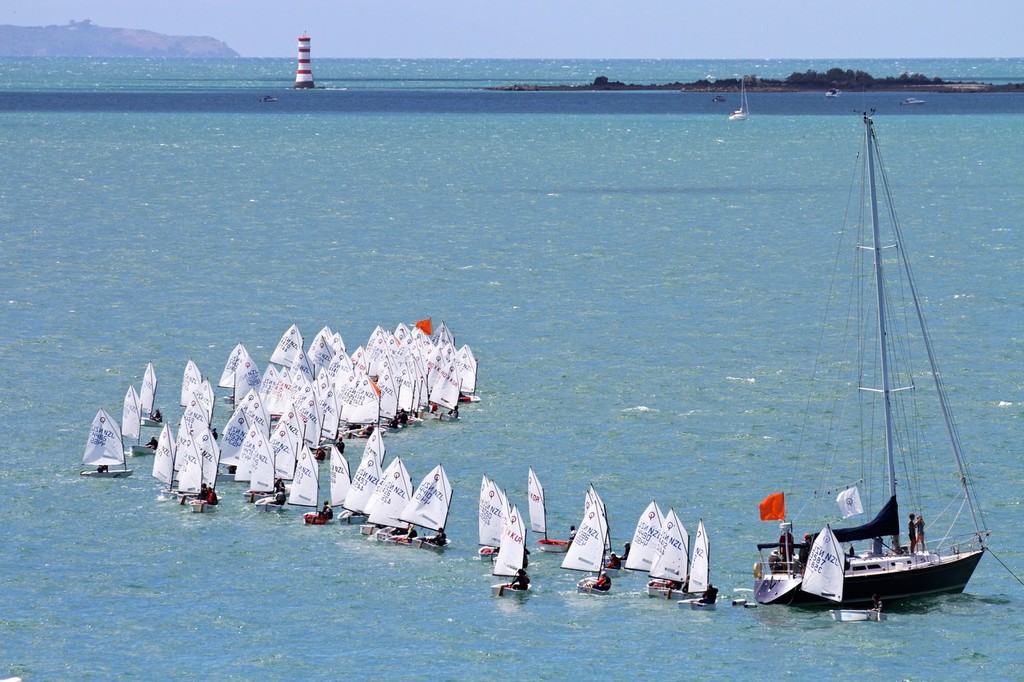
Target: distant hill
[[85, 39]]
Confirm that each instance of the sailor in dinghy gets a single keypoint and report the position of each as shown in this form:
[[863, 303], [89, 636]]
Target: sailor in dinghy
[[511, 560], [104, 449]]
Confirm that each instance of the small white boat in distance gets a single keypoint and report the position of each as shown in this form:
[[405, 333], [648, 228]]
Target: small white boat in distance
[[744, 111], [912, 100], [851, 615], [833, 92]]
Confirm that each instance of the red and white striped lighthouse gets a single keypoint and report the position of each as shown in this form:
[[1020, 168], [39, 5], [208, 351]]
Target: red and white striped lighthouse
[[304, 74]]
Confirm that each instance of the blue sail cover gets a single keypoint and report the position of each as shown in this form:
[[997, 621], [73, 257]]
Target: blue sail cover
[[886, 522]]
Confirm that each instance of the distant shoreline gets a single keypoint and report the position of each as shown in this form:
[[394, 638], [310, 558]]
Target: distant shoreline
[[810, 81]]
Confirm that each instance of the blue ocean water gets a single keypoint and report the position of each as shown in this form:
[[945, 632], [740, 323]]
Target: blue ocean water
[[639, 277]]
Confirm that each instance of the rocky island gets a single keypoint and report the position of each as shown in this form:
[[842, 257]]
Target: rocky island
[[808, 81], [86, 39]]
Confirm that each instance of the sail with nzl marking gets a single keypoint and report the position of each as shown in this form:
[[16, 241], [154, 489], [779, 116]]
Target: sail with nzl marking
[[586, 553], [340, 480], [492, 513], [700, 567], [305, 491], [104, 445], [672, 561], [646, 539], [367, 475], [512, 554], [390, 496], [288, 348], [824, 573], [429, 505]]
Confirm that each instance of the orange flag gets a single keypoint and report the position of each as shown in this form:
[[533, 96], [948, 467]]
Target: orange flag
[[425, 326], [773, 507]]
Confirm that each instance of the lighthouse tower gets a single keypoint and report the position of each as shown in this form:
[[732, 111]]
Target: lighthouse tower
[[304, 74]]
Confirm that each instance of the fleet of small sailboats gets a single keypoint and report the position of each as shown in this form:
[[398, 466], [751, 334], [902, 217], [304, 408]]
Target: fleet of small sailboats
[[299, 411]]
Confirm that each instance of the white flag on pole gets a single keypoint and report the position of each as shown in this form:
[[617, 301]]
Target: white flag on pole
[[849, 502]]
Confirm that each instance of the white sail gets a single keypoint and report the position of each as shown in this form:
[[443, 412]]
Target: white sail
[[390, 496], [340, 479], [646, 539], [190, 380], [361, 401], [284, 445], [234, 434], [445, 389], [535, 500], [700, 567], [492, 513], [104, 444], [512, 554], [190, 464], [387, 384], [262, 473], [131, 416], [288, 348], [824, 572], [367, 475], [256, 412], [586, 553], [163, 460], [321, 350], [672, 561], [247, 377], [194, 417], [147, 394], [247, 454], [204, 396], [327, 403], [209, 453], [430, 502], [227, 377], [305, 491], [467, 364]]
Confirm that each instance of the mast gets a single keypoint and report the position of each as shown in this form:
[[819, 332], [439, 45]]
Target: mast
[[876, 247]]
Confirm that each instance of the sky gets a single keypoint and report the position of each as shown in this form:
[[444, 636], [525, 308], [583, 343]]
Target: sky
[[588, 29]]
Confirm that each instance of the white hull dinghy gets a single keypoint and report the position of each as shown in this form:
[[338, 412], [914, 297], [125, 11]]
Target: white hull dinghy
[[853, 615], [200, 507]]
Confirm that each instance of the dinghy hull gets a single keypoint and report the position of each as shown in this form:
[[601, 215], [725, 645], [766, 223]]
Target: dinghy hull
[[118, 473], [508, 591], [554, 546], [853, 615]]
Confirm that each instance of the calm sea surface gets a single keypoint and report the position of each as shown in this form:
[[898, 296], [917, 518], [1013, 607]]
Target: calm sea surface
[[638, 277]]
